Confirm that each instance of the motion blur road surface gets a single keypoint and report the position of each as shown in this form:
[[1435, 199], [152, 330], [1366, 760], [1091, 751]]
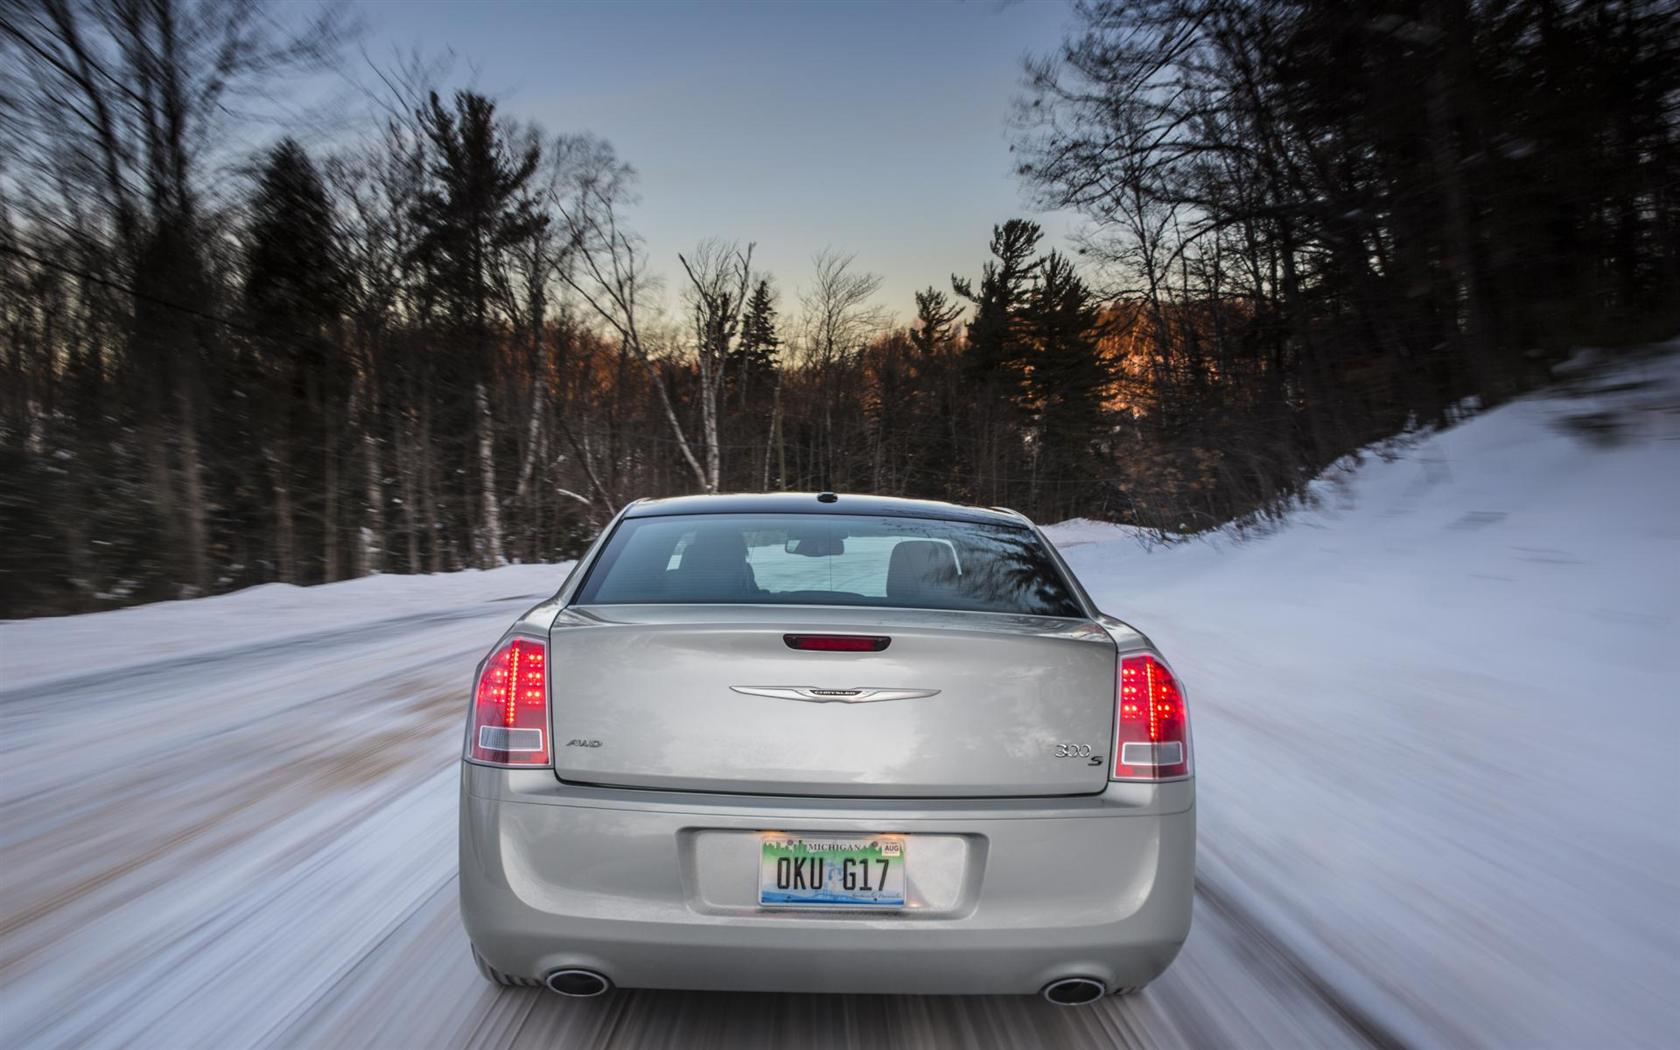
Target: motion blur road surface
[[255, 847], [1435, 729]]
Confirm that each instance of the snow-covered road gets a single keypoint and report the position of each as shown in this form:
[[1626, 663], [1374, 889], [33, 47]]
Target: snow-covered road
[[1438, 724], [253, 845]]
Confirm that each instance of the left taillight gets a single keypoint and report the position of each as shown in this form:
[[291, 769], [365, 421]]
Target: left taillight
[[510, 706]]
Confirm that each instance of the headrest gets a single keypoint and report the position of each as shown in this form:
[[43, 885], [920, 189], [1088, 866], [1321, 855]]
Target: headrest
[[719, 549], [919, 567]]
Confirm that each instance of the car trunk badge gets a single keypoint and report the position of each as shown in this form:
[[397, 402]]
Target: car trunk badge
[[822, 695]]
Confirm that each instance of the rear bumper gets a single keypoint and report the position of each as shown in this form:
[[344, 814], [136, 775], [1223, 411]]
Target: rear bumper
[[658, 889]]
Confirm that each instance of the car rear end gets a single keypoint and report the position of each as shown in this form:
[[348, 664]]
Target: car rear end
[[846, 750]]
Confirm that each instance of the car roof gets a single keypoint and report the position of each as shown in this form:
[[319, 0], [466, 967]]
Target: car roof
[[829, 503]]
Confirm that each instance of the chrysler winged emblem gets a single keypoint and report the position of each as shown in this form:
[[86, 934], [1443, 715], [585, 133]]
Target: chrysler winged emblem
[[822, 695]]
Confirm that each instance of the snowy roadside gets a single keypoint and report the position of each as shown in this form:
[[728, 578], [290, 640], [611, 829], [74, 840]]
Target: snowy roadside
[[1438, 719]]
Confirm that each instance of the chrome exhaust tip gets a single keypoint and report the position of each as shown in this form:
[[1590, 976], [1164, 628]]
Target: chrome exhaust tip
[[579, 984], [1074, 991]]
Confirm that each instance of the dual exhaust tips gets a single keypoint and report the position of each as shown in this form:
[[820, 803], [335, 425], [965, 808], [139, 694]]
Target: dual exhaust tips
[[1067, 991]]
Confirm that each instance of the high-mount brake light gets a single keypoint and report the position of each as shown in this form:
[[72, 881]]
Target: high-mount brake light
[[1153, 739], [510, 707], [837, 643]]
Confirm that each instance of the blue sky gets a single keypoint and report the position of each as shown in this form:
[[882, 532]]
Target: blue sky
[[874, 128]]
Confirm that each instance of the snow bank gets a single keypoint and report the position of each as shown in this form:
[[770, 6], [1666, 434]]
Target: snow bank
[[1437, 719]]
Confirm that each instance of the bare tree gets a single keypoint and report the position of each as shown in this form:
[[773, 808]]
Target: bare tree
[[129, 102], [838, 318], [719, 277], [838, 315], [606, 268]]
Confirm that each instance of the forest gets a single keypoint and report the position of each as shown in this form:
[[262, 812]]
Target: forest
[[438, 341]]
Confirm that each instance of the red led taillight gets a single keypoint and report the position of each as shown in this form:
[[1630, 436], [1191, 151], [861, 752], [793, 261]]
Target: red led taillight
[[510, 707], [837, 643], [1153, 741]]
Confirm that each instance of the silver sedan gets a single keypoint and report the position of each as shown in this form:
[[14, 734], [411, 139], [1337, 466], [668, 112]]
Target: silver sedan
[[819, 743]]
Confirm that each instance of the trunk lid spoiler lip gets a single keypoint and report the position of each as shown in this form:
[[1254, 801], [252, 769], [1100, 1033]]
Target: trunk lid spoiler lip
[[828, 619]]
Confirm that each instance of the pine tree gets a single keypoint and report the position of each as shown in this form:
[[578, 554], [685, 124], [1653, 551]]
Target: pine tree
[[293, 295], [994, 344], [994, 360], [295, 275], [1067, 384], [936, 318], [477, 206], [934, 396], [753, 357]]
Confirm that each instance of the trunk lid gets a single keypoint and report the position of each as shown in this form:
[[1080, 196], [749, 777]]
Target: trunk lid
[[651, 697]]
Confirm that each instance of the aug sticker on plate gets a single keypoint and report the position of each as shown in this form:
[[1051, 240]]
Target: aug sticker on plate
[[800, 871]]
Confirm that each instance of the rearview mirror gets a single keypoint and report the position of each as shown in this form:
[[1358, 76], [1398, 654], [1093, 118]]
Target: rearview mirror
[[820, 546]]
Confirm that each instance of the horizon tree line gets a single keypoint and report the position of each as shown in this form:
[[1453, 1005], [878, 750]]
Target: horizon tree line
[[443, 345]]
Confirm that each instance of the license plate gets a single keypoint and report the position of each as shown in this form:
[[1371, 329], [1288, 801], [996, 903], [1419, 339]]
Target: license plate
[[819, 872]]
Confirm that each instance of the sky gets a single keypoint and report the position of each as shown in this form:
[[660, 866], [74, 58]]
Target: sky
[[873, 128]]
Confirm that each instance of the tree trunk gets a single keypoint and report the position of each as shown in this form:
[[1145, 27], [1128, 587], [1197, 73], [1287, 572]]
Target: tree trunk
[[371, 540], [773, 440], [410, 496], [1447, 81], [161, 478], [670, 411], [428, 493], [490, 543], [329, 511], [533, 432], [585, 460], [285, 525], [197, 514], [709, 435]]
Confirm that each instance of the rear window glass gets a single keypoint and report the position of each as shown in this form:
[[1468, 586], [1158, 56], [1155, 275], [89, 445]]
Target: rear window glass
[[827, 559]]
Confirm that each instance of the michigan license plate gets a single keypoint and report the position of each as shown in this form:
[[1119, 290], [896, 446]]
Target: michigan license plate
[[818, 872]]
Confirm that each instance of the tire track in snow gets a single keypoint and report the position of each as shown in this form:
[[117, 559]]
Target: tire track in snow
[[1256, 938]]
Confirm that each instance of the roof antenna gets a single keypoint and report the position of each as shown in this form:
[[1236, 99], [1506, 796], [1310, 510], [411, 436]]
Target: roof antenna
[[827, 497]]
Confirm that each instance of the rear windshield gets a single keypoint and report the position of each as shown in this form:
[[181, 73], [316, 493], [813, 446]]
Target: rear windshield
[[827, 559]]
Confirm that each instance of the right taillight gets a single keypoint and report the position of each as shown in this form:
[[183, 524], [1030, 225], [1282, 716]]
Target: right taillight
[[1153, 740], [509, 725]]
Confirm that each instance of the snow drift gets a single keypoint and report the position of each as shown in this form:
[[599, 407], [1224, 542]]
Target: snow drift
[[1438, 717]]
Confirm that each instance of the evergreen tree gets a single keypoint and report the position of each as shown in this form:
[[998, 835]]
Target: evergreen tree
[[1068, 380], [994, 359], [934, 397], [294, 295], [295, 276], [936, 318], [476, 207], [995, 348], [753, 357]]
